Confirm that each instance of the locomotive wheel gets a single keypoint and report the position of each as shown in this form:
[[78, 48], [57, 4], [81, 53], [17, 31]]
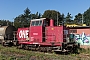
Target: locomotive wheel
[[45, 49], [3, 44], [41, 49], [20, 46], [26, 47], [49, 49], [11, 44]]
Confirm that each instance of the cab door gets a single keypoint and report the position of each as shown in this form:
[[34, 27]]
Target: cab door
[[36, 31]]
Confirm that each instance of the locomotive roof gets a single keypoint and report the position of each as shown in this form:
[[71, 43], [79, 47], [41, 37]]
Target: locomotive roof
[[38, 19]]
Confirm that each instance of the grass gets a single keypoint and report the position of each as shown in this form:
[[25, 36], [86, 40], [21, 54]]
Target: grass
[[12, 53]]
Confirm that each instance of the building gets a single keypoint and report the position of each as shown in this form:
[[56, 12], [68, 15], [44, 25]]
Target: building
[[82, 34]]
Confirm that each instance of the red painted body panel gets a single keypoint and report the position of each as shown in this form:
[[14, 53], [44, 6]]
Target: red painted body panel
[[23, 34], [35, 34], [41, 44], [54, 34]]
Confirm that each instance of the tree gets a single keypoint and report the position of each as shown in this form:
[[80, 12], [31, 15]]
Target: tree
[[68, 19], [23, 20], [52, 14], [86, 17], [36, 16], [5, 23], [63, 18], [78, 19]]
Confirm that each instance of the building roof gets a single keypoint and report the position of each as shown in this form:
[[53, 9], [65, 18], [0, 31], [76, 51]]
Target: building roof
[[79, 27], [75, 25]]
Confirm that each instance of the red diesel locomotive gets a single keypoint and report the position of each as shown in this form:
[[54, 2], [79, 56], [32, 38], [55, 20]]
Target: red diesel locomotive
[[42, 35]]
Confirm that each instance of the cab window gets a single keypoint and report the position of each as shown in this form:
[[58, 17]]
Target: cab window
[[40, 23], [36, 23], [33, 23]]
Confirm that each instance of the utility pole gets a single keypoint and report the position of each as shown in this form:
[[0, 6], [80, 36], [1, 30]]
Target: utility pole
[[82, 19], [13, 22], [57, 18], [7, 23]]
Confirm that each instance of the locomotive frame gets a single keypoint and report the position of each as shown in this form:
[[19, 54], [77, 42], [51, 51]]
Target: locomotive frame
[[42, 35]]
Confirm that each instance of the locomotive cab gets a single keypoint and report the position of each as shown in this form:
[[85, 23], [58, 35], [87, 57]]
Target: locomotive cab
[[37, 30], [43, 31]]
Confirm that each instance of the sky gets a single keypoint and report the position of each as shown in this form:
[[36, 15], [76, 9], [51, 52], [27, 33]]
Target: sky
[[9, 9]]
